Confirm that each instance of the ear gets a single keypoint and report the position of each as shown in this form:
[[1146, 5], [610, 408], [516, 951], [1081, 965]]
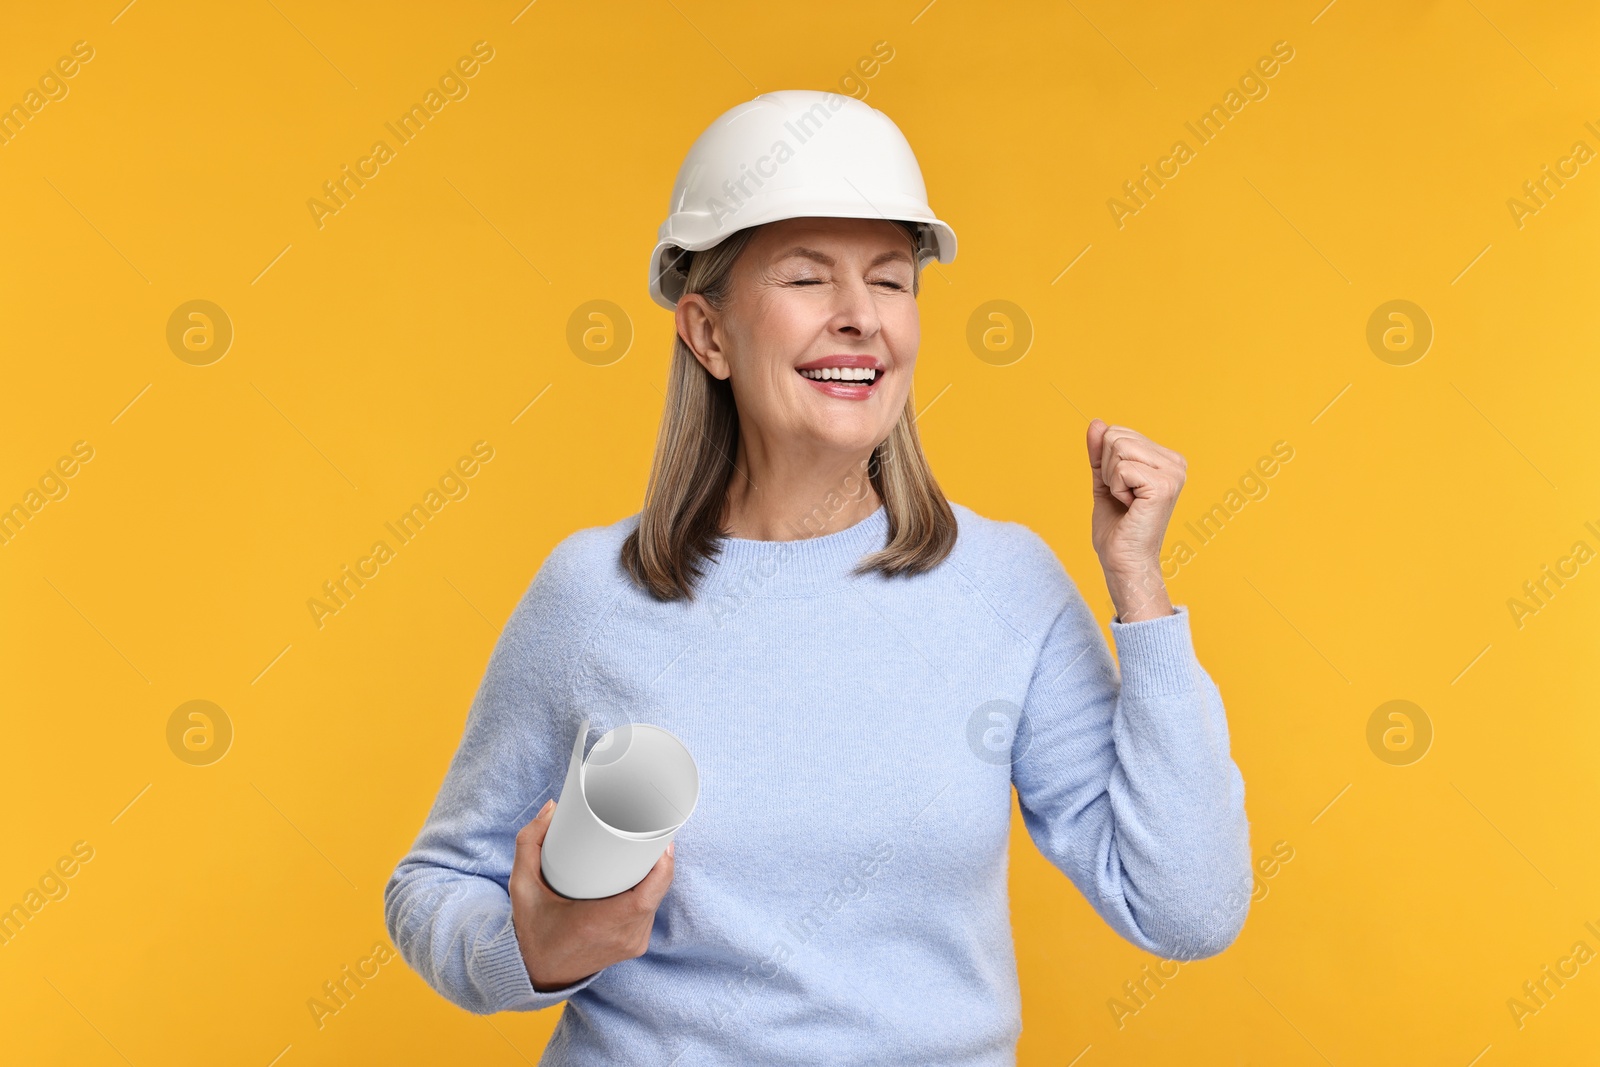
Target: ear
[[700, 326]]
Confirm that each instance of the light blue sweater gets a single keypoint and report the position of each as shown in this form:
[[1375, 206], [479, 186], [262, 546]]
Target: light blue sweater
[[841, 889]]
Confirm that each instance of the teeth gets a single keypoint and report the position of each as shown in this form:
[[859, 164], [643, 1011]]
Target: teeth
[[843, 374]]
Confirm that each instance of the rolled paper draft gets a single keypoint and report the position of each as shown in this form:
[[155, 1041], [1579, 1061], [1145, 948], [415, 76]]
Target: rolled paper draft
[[618, 810]]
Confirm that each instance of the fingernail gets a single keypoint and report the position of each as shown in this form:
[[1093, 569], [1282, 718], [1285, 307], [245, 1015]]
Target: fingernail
[[670, 847], [547, 806]]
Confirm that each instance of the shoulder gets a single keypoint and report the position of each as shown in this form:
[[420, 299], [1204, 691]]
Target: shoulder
[[578, 582], [1001, 550], [589, 555], [1014, 569]]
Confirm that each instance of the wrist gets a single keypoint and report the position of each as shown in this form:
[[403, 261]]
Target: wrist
[[552, 985], [1138, 593], [525, 941], [543, 981]]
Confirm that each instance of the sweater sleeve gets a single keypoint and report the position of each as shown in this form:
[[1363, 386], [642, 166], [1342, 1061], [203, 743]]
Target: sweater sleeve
[[1127, 785], [447, 905]]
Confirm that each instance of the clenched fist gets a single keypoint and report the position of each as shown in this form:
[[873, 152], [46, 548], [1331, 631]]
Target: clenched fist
[[1136, 484], [564, 940]]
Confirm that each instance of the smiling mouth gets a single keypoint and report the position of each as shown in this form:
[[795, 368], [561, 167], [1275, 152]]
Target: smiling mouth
[[859, 376], [844, 376]]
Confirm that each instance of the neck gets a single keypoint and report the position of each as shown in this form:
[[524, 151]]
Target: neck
[[796, 495]]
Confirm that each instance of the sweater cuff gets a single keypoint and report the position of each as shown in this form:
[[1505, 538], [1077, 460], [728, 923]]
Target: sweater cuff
[[505, 976], [1156, 656]]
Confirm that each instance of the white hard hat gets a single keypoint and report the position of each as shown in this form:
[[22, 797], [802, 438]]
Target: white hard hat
[[792, 154]]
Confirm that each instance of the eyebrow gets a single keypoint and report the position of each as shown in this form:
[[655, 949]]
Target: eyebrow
[[828, 261]]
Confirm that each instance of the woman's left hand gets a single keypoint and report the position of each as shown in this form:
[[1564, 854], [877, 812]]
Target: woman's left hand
[[1136, 486]]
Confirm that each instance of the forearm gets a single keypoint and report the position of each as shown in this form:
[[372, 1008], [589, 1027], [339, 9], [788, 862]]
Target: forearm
[[1177, 796]]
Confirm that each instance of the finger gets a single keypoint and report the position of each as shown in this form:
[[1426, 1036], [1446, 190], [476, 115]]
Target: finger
[[1115, 456], [1117, 475], [1120, 441], [1116, 485], [648, 893], [1138, 480], [1133, 448], [1132, 443]]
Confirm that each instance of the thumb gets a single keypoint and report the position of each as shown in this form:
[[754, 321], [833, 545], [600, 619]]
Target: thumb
[[1095, 439], [532, 835]]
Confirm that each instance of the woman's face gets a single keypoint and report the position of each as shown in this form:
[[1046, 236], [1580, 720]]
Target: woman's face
[[819, 334]]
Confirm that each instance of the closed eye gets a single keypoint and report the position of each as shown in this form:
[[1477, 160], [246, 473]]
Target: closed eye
[[817, 281]]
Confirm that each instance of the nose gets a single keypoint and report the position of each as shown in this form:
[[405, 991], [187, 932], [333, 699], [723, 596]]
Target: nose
[[855, 311]]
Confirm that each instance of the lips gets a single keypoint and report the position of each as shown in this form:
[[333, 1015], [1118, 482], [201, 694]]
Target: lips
[[845, 377]]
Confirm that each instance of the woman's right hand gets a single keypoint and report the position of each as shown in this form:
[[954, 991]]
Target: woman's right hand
[[564, 940]]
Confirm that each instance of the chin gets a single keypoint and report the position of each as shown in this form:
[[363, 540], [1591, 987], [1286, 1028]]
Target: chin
[[857, 438]]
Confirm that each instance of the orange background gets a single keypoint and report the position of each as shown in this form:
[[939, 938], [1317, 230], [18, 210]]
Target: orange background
[[1229, 313]]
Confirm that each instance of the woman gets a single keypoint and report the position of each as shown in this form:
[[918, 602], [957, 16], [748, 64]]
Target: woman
[[862, 670]]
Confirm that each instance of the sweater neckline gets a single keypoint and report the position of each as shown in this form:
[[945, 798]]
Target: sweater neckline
[[754, 568]]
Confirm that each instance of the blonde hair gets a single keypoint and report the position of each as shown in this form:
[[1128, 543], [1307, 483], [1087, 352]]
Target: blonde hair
[[693, 466]]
